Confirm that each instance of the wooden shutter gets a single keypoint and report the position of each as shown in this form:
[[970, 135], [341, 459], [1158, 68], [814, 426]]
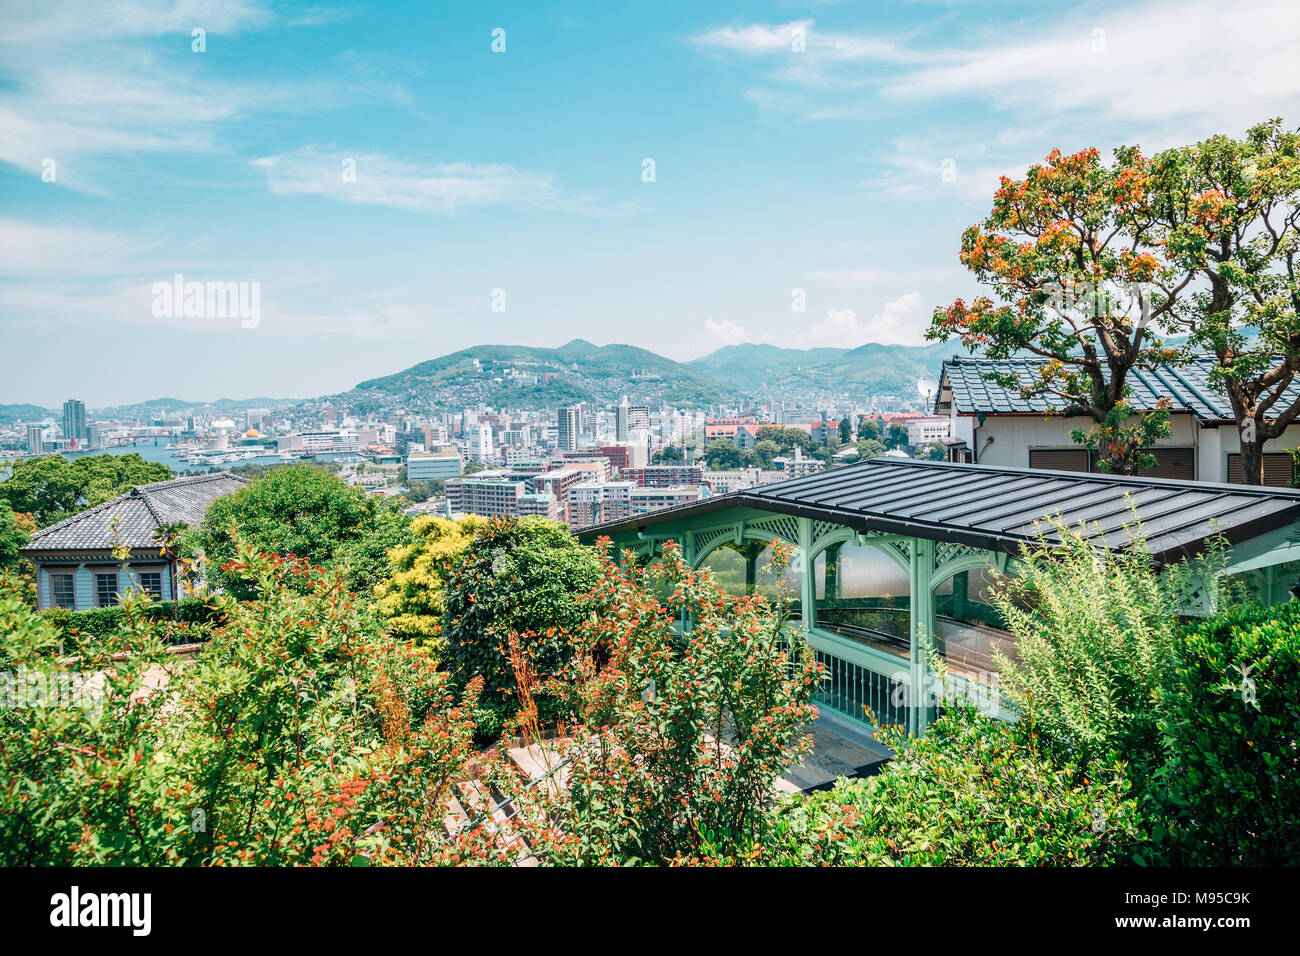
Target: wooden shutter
[[1059, 459], [1177, 463], [1279, 470]]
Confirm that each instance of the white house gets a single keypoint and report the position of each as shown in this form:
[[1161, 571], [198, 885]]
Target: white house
[[993, 425]]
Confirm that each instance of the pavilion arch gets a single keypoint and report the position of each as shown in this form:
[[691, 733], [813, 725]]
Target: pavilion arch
[[951, 527]]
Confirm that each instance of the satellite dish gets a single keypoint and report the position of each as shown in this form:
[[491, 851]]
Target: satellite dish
[[927, 385]]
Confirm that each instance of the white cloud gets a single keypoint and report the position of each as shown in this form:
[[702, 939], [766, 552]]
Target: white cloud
[[1168, 70], [848, 276], [760, 39], [900, 322], [725, 332], [1150, 63], [382, 180], [29, 249], [78, 85]]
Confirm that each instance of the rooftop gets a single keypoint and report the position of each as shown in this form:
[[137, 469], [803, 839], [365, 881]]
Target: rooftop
[[1000, 509], [1188, 388], [138, 513]]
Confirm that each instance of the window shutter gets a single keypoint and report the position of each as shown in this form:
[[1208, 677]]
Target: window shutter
[[1059, 459], [1279, 470]]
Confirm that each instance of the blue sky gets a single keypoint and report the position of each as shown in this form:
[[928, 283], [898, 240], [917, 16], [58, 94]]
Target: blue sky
[[795, 146]]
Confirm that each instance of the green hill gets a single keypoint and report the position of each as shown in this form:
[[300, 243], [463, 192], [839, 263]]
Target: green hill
[[517, 375], [870, 369]]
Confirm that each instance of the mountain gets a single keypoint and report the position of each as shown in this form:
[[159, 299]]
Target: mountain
[[24, 413], [520, 375], [871, 369], [158, 406]]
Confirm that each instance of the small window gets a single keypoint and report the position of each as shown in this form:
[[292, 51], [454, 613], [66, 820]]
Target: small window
[[106, 590], [151, 584], [63, 591]]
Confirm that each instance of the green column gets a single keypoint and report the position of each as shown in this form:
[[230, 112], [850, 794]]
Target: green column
[[808, 587], [920, 627], [833, 572]]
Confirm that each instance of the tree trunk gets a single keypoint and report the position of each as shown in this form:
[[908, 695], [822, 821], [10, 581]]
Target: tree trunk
[[1252, 455]]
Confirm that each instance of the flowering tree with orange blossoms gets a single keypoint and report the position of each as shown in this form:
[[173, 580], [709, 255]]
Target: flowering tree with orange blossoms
[[676, 736], [1072, 254], [1229, 211]]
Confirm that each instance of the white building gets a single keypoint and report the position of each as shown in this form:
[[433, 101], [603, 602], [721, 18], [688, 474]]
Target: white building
[[993, 425]]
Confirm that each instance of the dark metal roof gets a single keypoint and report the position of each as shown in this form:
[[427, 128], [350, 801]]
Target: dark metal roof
[[137, 513], [1001, 508], [1187, 387]]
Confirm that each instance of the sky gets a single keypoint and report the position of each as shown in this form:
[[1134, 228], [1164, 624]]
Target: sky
[[396, 181]]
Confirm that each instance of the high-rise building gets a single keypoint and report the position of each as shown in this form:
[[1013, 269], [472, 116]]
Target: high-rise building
[[620, 420], [35, 440], [570, 427], [74, 421], [480, 442]]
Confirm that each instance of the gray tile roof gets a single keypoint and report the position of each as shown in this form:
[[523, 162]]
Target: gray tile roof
[[1000, 508], [1188, 387], [138, 512]]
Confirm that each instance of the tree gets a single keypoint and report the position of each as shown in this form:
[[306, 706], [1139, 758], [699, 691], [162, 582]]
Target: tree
[[931, 451], [170, 537], [518, 576], [13, 535], [868, 428], [896, 436], [1074, 256], [1230, 213], [846, 430], [871, 448], [722, 453], [304, 511], [51, 488], [669, 453], [676, 740], [765, 451], [411, 597]]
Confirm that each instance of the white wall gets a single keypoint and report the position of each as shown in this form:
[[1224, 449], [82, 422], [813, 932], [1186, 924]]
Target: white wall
[[1015, 435]]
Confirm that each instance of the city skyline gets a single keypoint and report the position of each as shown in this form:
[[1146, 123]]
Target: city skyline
[[384, 182]]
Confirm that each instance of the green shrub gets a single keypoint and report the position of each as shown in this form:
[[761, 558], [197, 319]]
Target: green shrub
[[306, 512], [973, 791], [521, 576], [80, 629], [1233, 717], [1095, 640]]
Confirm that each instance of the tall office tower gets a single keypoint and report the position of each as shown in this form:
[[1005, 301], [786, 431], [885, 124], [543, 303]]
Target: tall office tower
[[620, 420], [74, 421], [35, 440], [480, 443], [570, 427]]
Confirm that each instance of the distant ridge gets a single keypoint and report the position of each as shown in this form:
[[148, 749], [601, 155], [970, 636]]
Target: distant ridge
[[578, 371]]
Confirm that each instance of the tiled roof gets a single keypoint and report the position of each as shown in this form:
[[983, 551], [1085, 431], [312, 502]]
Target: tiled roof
[[138, 512], [1188, 387]]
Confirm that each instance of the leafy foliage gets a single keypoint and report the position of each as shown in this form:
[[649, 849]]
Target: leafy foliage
[[1231, 787], [411, 597], [1095, 640], [51, 488], [972, 792], [1229, 213], [299, 735], [1081, 278], [519, 576], [676, 738], [304, 512]]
